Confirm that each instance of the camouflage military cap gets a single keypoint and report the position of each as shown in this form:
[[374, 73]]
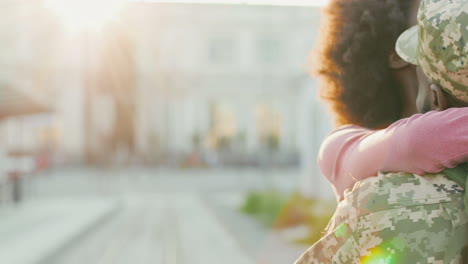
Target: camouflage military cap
[[439, 44]]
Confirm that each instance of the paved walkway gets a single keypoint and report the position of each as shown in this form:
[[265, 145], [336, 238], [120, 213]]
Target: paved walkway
[[159, 228], [33, 231], [264, 245], [155, 217]]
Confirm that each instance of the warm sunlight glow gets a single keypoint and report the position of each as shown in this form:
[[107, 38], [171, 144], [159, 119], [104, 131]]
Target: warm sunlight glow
[[85, 14]]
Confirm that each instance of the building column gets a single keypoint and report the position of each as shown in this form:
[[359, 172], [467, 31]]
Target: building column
[[314, 124], [251, 133]]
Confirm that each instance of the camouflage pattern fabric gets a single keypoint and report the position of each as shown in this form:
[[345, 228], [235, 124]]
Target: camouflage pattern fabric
[[439, 44], [459, 175], [396, 218]]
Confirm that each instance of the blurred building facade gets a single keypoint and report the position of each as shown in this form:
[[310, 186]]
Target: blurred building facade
[[220, 76], [165, 81]]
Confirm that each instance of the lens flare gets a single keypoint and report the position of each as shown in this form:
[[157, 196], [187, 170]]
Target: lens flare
[[341, 231], [389, 252]]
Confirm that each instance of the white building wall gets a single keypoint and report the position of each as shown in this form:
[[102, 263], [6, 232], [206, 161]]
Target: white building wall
[[314, 125], [70, 119], [252, 140], [287, 107]]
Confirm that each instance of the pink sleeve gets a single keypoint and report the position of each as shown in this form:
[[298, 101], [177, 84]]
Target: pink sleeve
[[422, 143]]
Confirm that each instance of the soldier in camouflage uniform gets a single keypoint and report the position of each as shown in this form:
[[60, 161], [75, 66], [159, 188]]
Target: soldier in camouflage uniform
[[401, 217], [395, 218]]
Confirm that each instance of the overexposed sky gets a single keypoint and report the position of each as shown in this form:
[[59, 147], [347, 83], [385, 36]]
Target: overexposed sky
[[78, 15], [249, 2]]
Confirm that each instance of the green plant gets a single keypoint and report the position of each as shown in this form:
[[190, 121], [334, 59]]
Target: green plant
[[313, 213], [265, 206], [196, 140], [252, 203], [224, 143], [272, 142], [279, 211]]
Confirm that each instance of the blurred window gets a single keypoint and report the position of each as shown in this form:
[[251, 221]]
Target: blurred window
[[269, 50], [222, 50], [224, 126], [268, 124]]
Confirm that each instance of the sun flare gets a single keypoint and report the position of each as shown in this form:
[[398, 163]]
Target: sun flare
[[85, 14]]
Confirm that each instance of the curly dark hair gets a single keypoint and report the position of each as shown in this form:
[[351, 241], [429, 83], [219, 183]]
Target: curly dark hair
[[357, 37]]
